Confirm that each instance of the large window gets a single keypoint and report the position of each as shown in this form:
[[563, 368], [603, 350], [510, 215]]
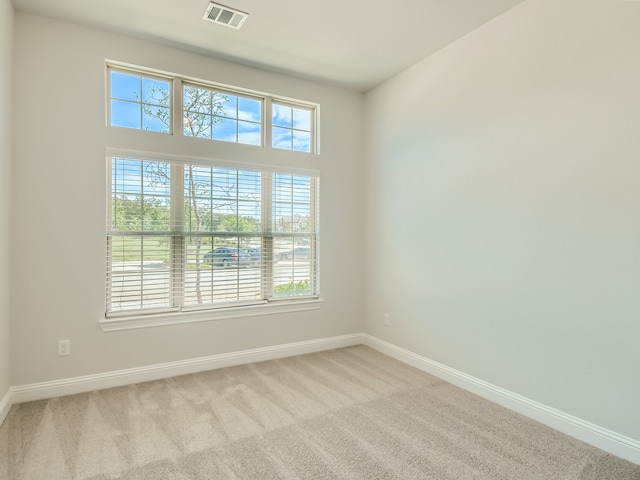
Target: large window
[[191, 236], [187, 236]]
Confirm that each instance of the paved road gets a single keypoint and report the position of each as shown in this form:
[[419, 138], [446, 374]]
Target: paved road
[[216, 284]]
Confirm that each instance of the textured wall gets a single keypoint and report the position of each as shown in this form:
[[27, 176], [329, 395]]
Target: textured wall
[[6, 73], [502, 207], [59, 205]]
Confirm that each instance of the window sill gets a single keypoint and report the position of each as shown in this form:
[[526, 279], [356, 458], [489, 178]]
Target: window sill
[[156, 320]]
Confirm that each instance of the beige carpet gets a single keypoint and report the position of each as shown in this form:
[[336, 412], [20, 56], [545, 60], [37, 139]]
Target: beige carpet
[[347, 413]]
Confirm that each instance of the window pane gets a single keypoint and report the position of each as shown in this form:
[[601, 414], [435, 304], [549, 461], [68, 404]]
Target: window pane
[[292, 204], [222, 116], [197, 192], [227, 106], [292, 271], [139, 273], [250, 109], [221, 270], [140, 195], [292, 128], [125, 114], [302, 119], [249, 201], [156, 119], [281, 138], [197, 100], [125, 87], [249, 133], [301, 141], [140, 102], [197, 125], [156, 92], [224, 129], [281, 116], [222, 200]]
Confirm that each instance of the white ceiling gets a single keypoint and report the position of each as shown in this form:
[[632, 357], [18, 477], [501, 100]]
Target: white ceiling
[[352, 43]]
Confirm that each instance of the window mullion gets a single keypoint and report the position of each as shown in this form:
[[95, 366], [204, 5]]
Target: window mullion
[[178, 240], [109, 214], [268, 123], [266, 263], [142, 105], [313, 240], [178, 106], [315, 131]]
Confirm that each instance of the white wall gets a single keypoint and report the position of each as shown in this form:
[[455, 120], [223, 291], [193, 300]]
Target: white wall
[[59, 204], [6, 73], [503, 220]]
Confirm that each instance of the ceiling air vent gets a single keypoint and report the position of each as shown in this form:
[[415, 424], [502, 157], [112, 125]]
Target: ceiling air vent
[[226, 16]]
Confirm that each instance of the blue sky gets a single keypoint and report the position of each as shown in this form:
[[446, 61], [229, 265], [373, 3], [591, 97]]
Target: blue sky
[[138, 102], [129, 93]]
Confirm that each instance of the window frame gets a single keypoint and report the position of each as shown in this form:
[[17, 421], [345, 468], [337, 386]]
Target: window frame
[[182, 84], [177, 83], [183, 313], [134, 145], [143, 74], [313, 113]]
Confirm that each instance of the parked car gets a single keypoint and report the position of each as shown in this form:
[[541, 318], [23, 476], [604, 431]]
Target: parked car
[[227, 257], [298, 253], [254, 253]]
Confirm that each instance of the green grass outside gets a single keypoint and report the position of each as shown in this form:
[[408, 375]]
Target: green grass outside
[[128, 249]]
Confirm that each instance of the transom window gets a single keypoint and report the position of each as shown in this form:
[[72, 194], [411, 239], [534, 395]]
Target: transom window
[[140, 101], [219, 115], [292, 127], [146, 101]]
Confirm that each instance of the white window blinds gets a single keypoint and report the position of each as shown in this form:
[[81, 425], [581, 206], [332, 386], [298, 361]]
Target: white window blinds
[[184, 236]]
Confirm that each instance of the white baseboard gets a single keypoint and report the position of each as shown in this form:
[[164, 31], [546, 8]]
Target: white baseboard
[[5, 405], [607, 440], [88, 383], [595, 435]]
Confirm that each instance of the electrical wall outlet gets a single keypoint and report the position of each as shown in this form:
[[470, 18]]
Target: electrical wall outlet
[[64, 348], [387, 319]]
